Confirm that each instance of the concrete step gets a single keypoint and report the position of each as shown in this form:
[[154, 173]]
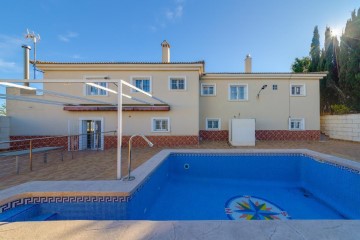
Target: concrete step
[[20, 213], [43, 217]]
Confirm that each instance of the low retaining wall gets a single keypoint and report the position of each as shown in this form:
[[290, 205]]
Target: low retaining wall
[[343, 127]]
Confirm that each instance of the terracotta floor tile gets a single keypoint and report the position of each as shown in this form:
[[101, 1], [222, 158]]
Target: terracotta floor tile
[[100, 165]]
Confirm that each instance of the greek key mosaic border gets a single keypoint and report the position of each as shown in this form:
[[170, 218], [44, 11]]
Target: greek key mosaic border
[[68, 199], [270, 155]]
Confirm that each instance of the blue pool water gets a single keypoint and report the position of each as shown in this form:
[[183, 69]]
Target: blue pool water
[[200, 186], [223, 187]]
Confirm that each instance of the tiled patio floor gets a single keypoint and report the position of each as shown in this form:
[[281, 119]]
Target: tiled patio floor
[[101, 165]]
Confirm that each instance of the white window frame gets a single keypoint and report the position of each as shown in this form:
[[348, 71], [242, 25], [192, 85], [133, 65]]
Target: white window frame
[[246, 92], [302, 92], [178, 78], [302, 122], [133, 78], [93, 80], [207, 84], [159, 118], [213, 119], [275, 87]]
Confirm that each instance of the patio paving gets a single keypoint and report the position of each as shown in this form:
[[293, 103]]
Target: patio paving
[[101, 165]]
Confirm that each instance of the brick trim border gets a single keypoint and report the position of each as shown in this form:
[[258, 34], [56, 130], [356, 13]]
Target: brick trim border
[[158, 141], [221, 135], [268, 135], [37, 142], [170, 141], [286, 135], [109, 141]]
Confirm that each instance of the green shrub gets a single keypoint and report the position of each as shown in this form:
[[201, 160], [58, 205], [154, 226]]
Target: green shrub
[[339, 109]]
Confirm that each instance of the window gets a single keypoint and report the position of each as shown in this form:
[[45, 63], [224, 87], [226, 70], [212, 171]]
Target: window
[[275, 87], [297, 90], [213, 124], [161, 125], [238, 92], [94, 91], [297, 124], [144, 83], [177, 83], [208, 89]]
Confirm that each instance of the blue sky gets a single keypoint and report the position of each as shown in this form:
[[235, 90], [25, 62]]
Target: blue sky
[[219, 32]]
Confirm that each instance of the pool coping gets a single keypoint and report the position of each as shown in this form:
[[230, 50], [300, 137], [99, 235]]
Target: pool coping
[[124, 189], [206, 230]]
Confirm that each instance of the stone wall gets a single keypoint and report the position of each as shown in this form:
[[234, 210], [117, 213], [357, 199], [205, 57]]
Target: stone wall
[[343, 127], [4, 132]]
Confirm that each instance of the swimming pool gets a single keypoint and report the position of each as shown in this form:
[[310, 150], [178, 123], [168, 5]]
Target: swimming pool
[[247, 186], [208, 185]]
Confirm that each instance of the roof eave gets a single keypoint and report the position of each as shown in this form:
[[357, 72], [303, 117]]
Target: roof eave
[[196, 66], [287, 76]]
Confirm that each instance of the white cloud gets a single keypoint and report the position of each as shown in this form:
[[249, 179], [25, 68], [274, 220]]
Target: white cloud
[[8, 44], [68, 36], [152, 28], [170, 15], [8, 66], [175, 13], [10, 52], [76, 56]]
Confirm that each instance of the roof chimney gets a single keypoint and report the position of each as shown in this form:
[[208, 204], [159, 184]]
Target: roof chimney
[[165, 51], [248, 64], [26, 63]]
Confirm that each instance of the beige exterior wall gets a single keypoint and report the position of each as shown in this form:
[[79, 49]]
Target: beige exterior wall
[[42, 119], [188, 111], [271, 110]]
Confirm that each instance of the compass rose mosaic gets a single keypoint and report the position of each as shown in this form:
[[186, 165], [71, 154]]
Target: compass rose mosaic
[[253, 208]]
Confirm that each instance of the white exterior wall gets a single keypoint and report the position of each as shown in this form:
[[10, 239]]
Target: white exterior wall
[[343, 127]]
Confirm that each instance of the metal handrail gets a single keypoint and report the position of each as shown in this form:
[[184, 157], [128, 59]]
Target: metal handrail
[[129, 177], [28, 139], [31, 146]]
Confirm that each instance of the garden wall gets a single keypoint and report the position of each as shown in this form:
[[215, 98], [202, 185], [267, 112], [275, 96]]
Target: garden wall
[[343, 127]]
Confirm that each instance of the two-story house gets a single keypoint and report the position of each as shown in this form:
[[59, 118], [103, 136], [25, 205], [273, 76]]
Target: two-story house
[[189, 104]]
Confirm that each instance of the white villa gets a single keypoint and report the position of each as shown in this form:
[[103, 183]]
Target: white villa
[[190, 105]]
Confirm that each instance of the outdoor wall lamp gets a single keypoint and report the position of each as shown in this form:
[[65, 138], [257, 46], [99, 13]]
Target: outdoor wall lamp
[[262, 88]]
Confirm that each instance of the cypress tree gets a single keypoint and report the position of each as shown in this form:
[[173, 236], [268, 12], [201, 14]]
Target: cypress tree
[[350, 61], [315, 51], [329, 89]]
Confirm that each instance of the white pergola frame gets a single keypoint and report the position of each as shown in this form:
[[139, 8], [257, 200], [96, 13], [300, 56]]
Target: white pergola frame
[[119, 83]]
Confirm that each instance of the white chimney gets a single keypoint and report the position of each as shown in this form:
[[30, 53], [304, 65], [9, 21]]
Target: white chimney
[[26, 62], [165, 51], [248, 67]]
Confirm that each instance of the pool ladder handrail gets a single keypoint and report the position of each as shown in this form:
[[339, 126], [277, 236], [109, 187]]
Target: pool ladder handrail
[[129, 177]]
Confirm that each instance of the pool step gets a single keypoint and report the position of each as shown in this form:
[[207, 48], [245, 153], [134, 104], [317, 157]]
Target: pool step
[[21, 213], [43, 217]]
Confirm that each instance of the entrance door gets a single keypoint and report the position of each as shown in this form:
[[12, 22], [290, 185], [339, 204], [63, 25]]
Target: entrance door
[[91, 135]]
